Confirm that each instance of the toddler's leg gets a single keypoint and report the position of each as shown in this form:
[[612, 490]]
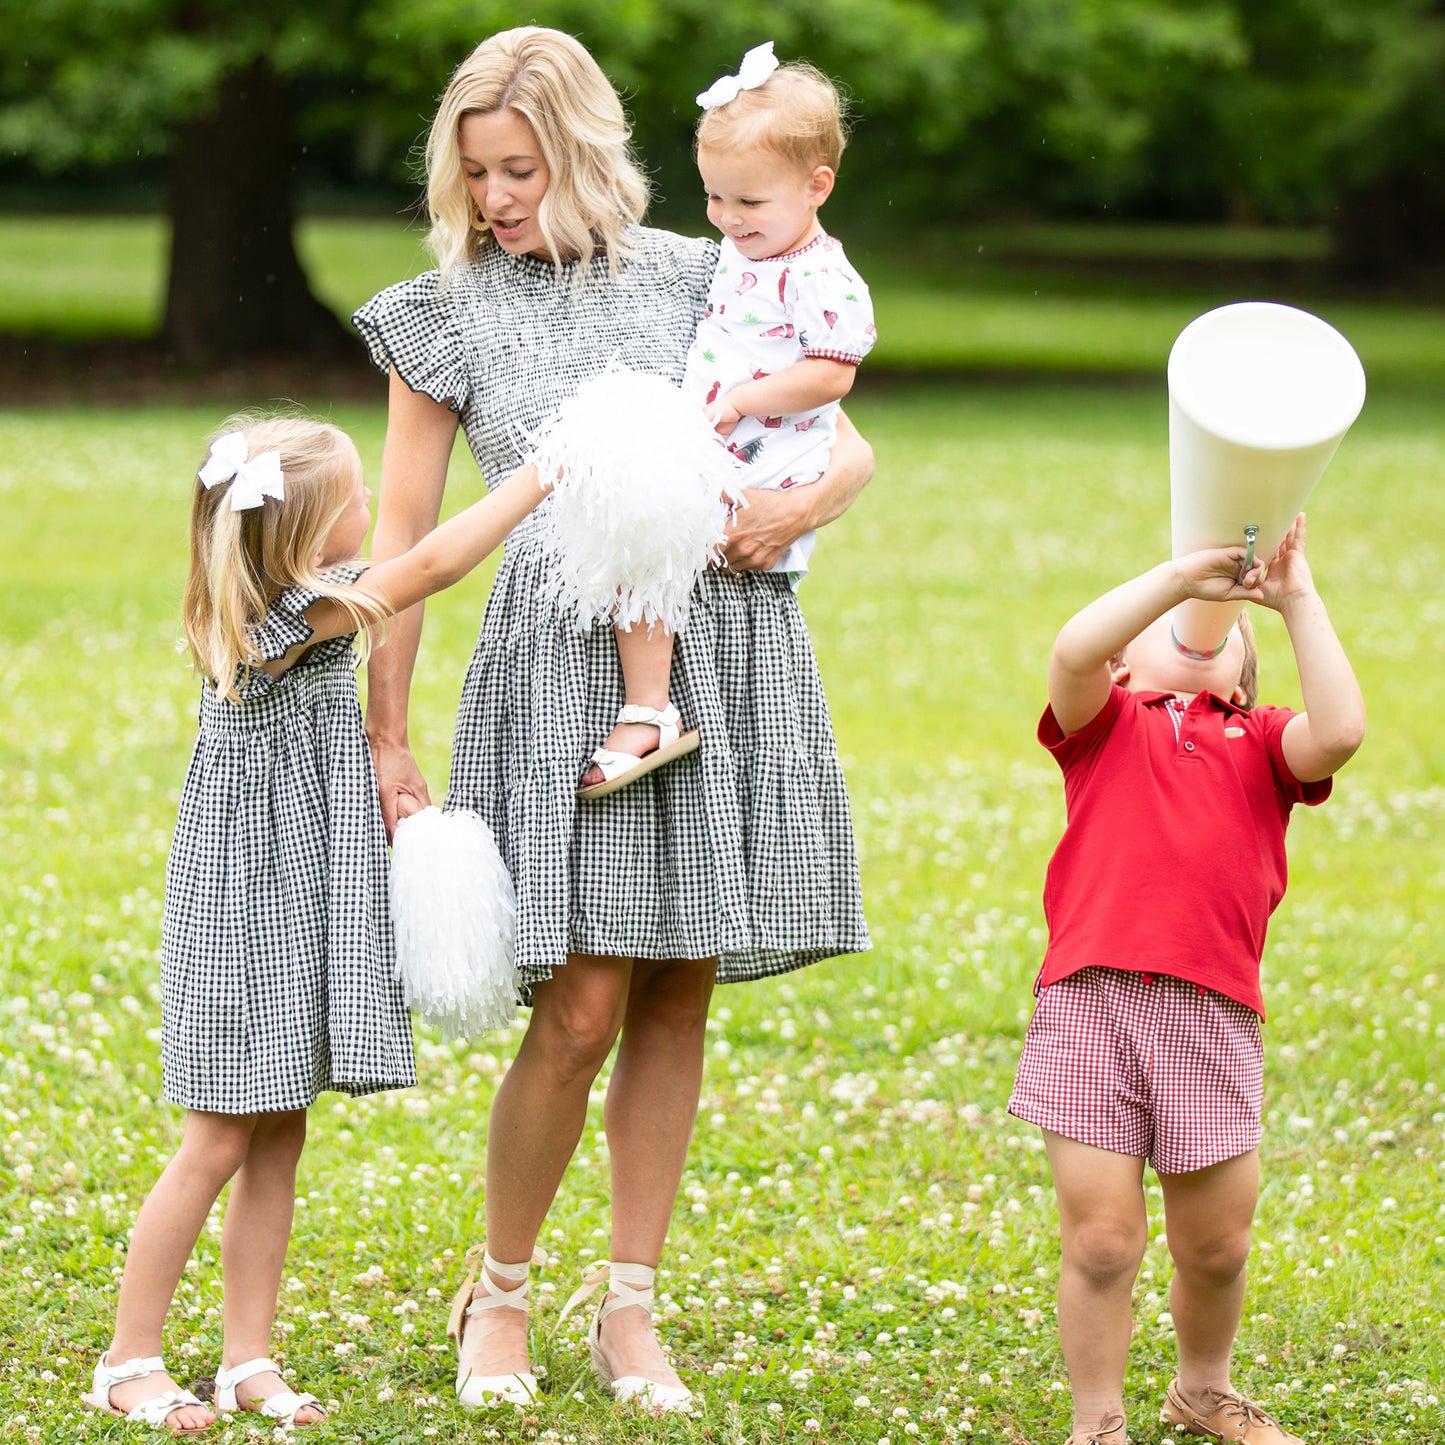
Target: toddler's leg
[[170, 1221], [1104, 1227], [646, 658], [1208, 1214], [254, 1239]]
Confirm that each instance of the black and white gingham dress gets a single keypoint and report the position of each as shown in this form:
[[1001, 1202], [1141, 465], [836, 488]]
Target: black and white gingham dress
[[276, 953], [743, 851]]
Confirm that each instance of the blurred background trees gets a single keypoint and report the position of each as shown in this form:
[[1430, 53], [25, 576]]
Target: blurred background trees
[[230, 115]]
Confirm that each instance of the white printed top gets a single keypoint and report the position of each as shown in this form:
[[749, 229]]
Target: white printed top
[[762, 316]]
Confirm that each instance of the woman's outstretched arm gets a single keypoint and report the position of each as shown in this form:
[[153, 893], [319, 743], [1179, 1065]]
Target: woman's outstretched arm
[[419, 437]]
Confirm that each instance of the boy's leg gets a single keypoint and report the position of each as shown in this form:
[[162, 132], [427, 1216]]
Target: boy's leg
[[1104, 1227], [646, 658], [254, 1239], [170, 1221], [1208, 1214]]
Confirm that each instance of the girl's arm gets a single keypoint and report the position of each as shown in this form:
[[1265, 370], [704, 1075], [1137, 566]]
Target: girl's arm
[[772, 521], [443, 557], [1325, 736], [804, 386], [419, 437]]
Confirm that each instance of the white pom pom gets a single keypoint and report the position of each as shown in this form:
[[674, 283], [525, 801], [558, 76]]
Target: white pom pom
[[640, 501], [454, 912]]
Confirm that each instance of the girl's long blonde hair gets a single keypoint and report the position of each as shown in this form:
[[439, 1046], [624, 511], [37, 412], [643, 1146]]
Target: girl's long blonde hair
[[596, 190], [242, 561]]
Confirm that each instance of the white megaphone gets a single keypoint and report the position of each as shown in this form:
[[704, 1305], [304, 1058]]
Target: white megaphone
[[1260, 396]]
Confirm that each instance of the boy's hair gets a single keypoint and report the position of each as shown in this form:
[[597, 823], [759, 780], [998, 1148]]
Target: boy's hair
[[1249, 673], [242, 561], [596, 189], [796, 113]]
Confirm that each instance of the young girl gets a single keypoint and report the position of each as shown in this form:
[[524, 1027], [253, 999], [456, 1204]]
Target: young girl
[[276, 960], [787, 322]]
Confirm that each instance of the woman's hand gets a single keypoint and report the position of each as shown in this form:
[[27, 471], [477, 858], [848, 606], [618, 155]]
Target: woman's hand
[[759, 533], [402, 789]]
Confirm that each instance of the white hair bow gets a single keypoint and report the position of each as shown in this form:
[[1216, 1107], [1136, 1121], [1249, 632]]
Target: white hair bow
[[758, 64], [252, 481]]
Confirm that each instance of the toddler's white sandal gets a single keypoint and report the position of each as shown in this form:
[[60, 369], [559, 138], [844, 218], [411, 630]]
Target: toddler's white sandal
[[283, 1405], [621, 769], [156, 1411]]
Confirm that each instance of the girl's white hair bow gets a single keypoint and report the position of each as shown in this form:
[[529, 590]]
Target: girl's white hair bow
[[252, 481], [758, 64]]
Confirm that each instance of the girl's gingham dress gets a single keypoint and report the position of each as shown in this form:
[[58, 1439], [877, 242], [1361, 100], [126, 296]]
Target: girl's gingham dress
[[743, 851], [277, 959]]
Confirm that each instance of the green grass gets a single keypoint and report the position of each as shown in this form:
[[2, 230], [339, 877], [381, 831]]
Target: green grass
[[1065, 300], [864, 1239]]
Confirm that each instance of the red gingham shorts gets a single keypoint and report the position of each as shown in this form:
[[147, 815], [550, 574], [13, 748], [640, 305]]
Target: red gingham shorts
[[1145, 1065]]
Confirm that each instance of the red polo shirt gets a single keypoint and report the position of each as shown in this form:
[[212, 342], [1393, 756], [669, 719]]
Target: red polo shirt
[[1173, 857]]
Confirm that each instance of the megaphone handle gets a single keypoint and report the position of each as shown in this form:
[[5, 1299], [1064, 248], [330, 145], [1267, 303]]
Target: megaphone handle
[[1251, 534]]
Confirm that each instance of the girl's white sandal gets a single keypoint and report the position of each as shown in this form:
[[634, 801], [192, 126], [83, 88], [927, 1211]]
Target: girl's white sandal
[[283, 1405], [155, 1411], [621, 769], [628, 1284], [480, 1392]]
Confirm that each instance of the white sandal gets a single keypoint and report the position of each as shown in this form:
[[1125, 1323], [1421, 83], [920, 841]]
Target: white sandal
[[628, 1284], [479, 1392], [283, 1405], [620, 769], [155, 1411]]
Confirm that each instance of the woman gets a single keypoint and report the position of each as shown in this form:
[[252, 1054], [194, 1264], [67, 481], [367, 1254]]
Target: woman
[[732, 864]]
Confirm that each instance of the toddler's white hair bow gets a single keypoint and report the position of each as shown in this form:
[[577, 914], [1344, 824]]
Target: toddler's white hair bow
[[758, 64], [252, 481]]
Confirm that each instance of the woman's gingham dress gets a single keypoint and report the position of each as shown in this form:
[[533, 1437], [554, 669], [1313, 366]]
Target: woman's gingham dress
[[743, 851], [277, 959]]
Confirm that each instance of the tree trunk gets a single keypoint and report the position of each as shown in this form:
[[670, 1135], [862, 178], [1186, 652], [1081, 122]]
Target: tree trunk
[[236, 287]]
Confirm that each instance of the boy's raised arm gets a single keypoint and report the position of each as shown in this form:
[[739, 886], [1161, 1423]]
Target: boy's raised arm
[[1326, 735], [1079, 677]]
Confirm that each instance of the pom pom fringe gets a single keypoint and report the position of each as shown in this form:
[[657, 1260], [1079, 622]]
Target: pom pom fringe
[[642, 493], [454, 912]]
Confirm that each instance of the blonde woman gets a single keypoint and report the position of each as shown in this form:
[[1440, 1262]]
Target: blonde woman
[[277, 968], [734, 864]]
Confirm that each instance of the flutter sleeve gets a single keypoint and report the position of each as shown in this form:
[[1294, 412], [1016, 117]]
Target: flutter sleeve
[[284, 625], [417, 328], [833, 311]]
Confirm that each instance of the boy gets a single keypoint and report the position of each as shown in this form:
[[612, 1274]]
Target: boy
[[1145, 1043]]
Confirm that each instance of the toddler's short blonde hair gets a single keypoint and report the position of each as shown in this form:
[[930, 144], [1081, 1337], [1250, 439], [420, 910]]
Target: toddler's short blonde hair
[[796, 113]]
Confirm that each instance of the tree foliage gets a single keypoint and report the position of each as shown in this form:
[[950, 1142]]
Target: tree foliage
[[1271, 110]]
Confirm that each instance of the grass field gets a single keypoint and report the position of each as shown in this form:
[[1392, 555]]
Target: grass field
[[864, 1249]]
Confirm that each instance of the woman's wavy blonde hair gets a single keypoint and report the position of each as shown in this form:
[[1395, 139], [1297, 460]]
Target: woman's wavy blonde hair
[[596, 190], [242, 561]]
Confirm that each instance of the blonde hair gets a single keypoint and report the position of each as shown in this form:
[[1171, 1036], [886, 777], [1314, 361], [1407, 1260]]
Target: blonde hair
[[796, 113], [596, 189], [242, 561], [1249, 671]]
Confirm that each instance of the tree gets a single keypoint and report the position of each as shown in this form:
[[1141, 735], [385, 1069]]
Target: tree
[[211, 86]]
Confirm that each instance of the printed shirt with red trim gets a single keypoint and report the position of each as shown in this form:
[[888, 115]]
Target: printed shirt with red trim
[[762, 316], [1173, 857]]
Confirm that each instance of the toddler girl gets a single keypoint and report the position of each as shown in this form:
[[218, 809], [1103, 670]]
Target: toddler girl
[[786, 324], [276, 956]]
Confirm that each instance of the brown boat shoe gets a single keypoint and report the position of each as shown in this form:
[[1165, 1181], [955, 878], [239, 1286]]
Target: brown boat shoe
[[1110, 1432], [1230, 1419]]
